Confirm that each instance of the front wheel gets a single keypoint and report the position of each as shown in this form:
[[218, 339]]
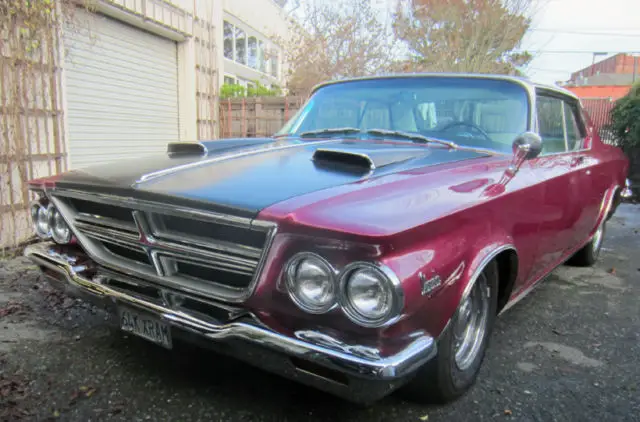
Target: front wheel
[[588, 255], [461, 346]]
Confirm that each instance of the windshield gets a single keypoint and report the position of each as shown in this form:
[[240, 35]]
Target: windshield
[[477, 112]]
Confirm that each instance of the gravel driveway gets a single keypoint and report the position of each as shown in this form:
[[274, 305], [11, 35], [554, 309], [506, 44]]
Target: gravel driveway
[[570, 351]]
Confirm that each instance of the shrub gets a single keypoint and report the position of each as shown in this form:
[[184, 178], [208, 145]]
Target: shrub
[[257, 90], [625, 125]]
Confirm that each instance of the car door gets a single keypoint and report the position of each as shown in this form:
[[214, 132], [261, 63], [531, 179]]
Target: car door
[[584, 169], [559, 210]]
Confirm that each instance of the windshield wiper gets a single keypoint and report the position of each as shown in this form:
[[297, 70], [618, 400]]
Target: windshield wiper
[[411, 136], [331, 131]]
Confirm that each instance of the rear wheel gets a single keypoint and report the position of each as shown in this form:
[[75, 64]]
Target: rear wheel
[[462, 346], [588, 255]]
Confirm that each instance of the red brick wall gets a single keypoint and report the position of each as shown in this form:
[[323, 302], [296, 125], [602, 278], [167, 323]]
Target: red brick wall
[[620, 63]]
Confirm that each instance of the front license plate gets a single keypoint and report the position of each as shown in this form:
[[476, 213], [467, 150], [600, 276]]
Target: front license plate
[[145, 326]]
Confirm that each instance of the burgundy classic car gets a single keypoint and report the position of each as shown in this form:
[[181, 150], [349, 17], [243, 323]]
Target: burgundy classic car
[[366, 247]]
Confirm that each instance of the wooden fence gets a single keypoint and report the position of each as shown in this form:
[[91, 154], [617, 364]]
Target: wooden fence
[[599, 110], [256, 117]]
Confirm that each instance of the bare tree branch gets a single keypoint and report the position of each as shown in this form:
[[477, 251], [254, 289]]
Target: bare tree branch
[[463, 35], [335, 39]]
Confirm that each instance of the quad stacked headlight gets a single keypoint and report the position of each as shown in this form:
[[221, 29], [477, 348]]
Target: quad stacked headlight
[[369, 294], [48, 223], [311, 283], [40, 220]]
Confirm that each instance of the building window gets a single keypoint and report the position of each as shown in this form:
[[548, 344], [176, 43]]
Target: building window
[[262, 65], [228, 80], [253, 52], [228, 40], [241, 46], [249, 50], [274, 64]]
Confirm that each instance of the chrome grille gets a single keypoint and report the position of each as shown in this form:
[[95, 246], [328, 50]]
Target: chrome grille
[[192, 250]]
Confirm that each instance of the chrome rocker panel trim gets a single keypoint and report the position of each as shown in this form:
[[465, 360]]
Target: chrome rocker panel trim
[[370, 375]]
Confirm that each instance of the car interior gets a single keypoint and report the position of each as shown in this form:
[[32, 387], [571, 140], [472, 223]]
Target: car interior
[[478, 118]]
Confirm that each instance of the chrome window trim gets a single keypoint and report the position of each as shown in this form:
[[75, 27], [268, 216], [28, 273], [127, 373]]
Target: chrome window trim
[[564, 97], [529, 87], [579, 120], [564, 126], [157, 272]]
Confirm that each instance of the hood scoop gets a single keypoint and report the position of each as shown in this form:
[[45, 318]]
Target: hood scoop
[[186, 149], [365, 159]]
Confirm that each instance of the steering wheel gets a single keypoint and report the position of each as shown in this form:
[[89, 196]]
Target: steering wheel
[[474, 128]]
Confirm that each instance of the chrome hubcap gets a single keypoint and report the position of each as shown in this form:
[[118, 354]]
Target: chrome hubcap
[[471, 324], [597, 239]]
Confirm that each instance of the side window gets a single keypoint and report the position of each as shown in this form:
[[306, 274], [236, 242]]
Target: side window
[[575, 127], [550, 124]]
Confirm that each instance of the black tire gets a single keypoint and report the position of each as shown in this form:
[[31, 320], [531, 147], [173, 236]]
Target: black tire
[[588, 255], [441, 380]]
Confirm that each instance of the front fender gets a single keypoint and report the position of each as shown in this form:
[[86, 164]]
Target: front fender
[[461, 288], [451, 263]]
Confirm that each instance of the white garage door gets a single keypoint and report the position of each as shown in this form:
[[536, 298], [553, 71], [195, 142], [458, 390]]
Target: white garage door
[[121, 88]]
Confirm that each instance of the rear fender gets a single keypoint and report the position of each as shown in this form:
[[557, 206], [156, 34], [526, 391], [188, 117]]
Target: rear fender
[[610, 202]]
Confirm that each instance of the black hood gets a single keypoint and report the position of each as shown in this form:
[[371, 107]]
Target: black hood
[[244, 176]]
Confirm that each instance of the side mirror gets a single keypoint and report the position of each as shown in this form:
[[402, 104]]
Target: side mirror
[[526, 146]]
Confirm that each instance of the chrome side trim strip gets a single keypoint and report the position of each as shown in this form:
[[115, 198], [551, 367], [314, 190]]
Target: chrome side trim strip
[[357, 361]]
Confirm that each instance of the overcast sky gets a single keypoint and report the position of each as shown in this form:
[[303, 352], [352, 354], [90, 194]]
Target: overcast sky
[[572, 26]]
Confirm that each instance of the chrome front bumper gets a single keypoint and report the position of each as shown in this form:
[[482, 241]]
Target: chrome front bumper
[[365, 375]]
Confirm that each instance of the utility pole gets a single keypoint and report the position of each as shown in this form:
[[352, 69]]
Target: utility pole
[[593, 59]]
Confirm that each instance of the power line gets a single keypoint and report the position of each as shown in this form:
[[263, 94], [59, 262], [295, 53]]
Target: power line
[[592, 29], [608, 34], [549, 70], [576, 52]]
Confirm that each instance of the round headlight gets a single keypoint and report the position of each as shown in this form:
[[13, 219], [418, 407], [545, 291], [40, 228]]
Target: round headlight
[[310, 283], [40, 221], [369, 296], [60, 231]]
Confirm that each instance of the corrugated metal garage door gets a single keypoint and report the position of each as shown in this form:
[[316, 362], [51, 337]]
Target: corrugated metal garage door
[[121, 88]]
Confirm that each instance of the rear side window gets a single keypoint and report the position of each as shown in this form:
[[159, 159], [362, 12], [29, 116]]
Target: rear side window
[[551, 124], [576, 131]]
